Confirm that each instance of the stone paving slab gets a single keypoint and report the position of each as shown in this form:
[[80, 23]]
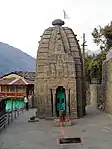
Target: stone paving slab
[[95, 128]]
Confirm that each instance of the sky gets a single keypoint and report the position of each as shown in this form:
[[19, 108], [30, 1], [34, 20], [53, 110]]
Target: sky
[[22, 22]]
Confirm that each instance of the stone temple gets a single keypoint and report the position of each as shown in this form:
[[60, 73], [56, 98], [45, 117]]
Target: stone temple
[[59, 73]]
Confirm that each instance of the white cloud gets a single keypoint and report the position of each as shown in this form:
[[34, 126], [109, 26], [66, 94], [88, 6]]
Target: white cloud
[[23, 21]]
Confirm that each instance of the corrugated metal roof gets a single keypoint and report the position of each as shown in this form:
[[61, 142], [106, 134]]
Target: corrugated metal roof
[[15, 81], [26, 75]]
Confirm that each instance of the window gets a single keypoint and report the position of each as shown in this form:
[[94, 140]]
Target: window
[[20, 89], [2, 88], [12, 89]]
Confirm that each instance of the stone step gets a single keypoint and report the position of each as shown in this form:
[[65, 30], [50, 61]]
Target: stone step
[[65, 123]]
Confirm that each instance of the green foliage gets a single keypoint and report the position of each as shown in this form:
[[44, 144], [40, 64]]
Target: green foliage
[[107, 31], [98, 36], [102, 36], [88, 65], [93, 65]]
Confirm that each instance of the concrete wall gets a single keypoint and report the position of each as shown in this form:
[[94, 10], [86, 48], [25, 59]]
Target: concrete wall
[[107, 84], [93, 94]]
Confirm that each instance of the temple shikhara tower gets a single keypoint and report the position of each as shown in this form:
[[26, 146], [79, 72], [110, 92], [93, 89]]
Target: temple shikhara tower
[[59, 73]]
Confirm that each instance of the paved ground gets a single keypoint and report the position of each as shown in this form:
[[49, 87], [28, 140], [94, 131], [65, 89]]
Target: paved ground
[[95, 128]]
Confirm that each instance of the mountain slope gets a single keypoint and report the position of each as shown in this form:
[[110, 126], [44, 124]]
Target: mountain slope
[[13, 59]]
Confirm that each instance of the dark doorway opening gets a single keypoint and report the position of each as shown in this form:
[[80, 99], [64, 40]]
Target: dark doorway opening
[[60, 102]]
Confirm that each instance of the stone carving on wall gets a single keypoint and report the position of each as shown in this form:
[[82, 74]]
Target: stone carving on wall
[[52, 58], [65, 70], [70, 70], [59, 73], [59, 66], [53, 70], [59, 47]]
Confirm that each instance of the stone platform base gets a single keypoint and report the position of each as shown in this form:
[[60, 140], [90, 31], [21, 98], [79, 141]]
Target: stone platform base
[[58, 123]]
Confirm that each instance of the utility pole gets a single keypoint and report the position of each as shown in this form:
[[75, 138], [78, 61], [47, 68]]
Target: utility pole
[[83, 51], [84, 83]]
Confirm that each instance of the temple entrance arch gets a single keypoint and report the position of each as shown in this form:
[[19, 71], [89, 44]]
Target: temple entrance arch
[[60, 100]]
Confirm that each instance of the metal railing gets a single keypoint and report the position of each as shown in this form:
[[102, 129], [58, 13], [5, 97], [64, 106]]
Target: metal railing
[[7, 118]]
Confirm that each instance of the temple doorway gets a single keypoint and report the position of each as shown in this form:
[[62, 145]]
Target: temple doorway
[[60, 100]]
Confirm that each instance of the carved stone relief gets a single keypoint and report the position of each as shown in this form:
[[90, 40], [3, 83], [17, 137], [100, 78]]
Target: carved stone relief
[[65, 70], [53, 70], [59, 47]]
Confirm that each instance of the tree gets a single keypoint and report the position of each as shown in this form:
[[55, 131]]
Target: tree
[[98, 37], [96, 69], [107, 31], [88, 64], [102, 36], [93, 65]]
